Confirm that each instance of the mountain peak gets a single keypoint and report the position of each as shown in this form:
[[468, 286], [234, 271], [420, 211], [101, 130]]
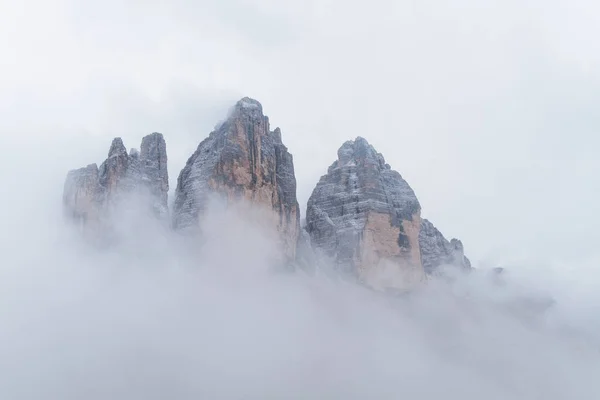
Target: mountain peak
[[362, 214], [359, 150], [367, 218], [248, 106], [242, 160], [91, 194], [117, 148]]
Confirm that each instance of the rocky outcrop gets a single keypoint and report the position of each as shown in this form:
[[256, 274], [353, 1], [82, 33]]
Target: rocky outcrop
[[362, 214], [367, 218], [437, 251], [91, 194], [242, 159], [82, 194], [152, 173]]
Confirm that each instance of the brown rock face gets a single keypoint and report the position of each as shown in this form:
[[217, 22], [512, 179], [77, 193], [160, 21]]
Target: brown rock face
[[368, 219], [383, 263], [242, 160], [365, 216], [91, 194]]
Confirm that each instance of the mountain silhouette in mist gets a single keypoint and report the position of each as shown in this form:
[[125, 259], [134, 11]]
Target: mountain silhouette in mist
[[362, 216]]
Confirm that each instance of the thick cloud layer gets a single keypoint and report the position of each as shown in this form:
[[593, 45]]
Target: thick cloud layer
[[160, 316]]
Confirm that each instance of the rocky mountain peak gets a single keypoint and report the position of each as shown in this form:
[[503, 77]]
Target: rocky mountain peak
[[91, 194], [362, 214], [117, 148], [249, 105], [242, 159], [357, 149], [367, 218]]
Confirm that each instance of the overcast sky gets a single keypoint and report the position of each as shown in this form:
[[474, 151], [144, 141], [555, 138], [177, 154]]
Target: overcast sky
[[489, 109]]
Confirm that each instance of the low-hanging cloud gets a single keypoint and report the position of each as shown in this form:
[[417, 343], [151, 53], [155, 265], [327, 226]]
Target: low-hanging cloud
[[160, 315]]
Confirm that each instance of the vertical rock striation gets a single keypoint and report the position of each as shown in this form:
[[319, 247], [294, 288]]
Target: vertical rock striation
[[362, 214], [153, 172], [365, 216], [91, 194], [82, 194], [242, 159]]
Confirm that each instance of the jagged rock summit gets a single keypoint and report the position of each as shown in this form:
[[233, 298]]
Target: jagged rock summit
[[242, 159], [364, 215], [91, 194], [367, 218]]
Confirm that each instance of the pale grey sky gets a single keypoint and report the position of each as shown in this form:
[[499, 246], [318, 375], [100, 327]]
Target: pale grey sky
[[487, 108]]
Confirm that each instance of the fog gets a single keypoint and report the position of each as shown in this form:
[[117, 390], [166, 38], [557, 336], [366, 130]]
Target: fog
[[487, 108], [160, 316]]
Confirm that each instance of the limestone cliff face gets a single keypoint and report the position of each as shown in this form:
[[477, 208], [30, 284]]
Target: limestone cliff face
[[362, 213], [82, 194], [365, 216], [437, 251], [91, 193], [152, 173], [242, 159]]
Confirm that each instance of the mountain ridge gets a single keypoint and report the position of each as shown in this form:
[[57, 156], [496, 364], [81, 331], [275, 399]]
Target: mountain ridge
[[362, 214]]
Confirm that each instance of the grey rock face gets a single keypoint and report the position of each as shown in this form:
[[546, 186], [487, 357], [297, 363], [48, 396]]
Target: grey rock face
[[91, 193], [367, 217], [82, 193], [437, 251], [242, 159], [114, 173], [153, 170]]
